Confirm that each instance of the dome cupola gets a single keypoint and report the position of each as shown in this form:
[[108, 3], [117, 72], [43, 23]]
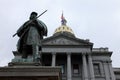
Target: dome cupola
[[64, 28]]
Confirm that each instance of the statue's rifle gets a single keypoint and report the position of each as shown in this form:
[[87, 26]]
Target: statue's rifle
[[31, 21]]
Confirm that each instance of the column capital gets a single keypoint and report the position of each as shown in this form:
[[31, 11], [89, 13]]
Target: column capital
[[53, 53], [90, 52], [84, 53], [68, 53]]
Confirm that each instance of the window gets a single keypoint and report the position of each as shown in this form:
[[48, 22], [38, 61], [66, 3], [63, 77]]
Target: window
[[75, 68], [96, 69]]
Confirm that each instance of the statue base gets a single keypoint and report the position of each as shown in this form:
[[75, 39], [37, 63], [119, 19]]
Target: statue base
[[19, 61], [30, 73]]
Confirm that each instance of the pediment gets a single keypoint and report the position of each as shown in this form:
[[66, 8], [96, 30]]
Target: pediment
[[64, 40]]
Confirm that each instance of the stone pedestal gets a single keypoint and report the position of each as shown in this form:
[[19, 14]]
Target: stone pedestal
[[30, 73], [28, 69]]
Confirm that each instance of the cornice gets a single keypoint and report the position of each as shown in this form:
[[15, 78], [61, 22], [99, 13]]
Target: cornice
[[98, 53]]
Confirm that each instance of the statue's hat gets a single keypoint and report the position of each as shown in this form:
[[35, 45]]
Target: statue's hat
[[34, 13]]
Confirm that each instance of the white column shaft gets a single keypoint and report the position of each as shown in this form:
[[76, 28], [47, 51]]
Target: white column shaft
[[92, 76], [107, 75], [85, 70], [53, 59], [111, 71], [69, 77]]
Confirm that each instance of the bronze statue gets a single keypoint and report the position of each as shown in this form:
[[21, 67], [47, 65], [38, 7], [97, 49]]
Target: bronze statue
[[31, 33]]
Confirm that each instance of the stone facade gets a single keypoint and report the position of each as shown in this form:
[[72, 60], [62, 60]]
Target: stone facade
[[78, 58]]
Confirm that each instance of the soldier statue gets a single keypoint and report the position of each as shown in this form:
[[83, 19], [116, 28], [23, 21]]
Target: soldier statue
[[30, 35]]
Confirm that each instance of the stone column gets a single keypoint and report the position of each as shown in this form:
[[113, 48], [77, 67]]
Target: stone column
[[92, 76], [107, 74], [85, 70], [53, 59], [69, 76], [111, 70]]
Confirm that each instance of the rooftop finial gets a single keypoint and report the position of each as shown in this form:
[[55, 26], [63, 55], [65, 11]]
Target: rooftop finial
[[63, 20]]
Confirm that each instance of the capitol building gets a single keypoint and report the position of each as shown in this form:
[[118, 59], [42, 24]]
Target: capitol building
[[67, 57]]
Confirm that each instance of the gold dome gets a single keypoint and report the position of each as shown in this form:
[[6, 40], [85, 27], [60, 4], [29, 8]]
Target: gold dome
[[64, 28]]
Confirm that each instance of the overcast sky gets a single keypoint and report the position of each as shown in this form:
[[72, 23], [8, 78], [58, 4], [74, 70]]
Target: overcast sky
[[97, 20]]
